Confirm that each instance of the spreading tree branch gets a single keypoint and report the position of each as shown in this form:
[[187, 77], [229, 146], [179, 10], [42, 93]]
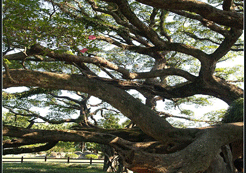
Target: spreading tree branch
[[45, 147], [204, 143], [226, 18]]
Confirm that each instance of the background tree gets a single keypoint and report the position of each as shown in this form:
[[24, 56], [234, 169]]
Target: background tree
[[133, 56]]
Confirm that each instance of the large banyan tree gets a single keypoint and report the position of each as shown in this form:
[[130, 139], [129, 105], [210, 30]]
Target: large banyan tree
[[141, 58]]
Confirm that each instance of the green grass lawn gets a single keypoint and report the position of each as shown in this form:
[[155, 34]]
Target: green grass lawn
[[51, 168]]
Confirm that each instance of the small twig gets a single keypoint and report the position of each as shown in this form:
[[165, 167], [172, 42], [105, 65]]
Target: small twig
[[95, 122], [96, 105], [25, 52], [23, 62], [101, 109], [38, 57], [30, 125], [54, 10], [107, 72], [8, 74], [166, 115]]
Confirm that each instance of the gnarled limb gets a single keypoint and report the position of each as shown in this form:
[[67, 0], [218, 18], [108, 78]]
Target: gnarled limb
[[227, 18], [216, 87], [194, 156]]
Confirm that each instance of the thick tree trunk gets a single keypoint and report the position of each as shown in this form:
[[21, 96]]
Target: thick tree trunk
[[218, 165], [110, 159]]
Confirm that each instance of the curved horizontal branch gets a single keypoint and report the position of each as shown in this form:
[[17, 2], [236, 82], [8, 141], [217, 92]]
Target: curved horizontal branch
[[226, 18], [216, 87], [104, 108], [118, 98], [217, 43], [93, 85], [101, 136], [165, 72], [69, 105], [204, 145], [211, 25], [66, 97], [166, 115], [38, 49], [34, 115], [45, 147], [200, 55], [142, 50]]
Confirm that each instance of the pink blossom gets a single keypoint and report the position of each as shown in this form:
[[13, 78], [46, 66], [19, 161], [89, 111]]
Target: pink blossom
[[83, 50], [92, 37]]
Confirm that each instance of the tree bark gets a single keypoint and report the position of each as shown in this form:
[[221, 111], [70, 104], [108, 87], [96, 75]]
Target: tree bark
[[158, 146], [194, 156], [142, 115], [227, 18]]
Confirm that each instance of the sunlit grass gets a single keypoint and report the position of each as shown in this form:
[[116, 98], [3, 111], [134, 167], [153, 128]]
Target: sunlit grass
[[51, 168]]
